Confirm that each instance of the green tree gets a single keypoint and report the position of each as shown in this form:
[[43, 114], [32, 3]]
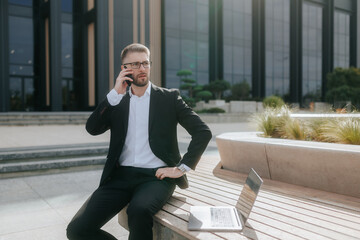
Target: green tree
[[204, 95], [201, 94], [187, 82], [217, 87]]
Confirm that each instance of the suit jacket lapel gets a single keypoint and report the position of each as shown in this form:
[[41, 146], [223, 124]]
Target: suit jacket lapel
[[123, 112], [153, 103]]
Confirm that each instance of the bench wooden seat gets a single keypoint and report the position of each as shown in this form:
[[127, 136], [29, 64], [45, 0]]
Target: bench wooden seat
[[281, 211]]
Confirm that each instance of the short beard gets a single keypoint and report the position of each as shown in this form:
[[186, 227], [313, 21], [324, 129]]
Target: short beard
[[138, 83]]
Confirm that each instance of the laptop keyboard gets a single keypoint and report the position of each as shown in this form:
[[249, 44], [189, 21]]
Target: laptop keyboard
[[221, 217]]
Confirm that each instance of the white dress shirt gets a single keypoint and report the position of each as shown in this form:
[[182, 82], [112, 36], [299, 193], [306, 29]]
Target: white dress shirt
[[136, 151]]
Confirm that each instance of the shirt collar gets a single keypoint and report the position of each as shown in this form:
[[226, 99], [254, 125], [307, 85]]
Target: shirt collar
[[147, 91]]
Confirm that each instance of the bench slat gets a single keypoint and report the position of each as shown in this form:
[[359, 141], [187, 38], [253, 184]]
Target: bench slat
[[281, 211], [332, 218], [294, 200], [291, 216], [249, 232]]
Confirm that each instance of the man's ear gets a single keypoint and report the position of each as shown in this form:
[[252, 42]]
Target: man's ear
[[122, 67]]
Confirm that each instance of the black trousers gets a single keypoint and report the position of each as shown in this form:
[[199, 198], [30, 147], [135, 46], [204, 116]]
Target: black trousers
[[137, 186]]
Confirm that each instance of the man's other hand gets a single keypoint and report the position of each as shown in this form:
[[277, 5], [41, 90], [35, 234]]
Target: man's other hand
[[170, 172]]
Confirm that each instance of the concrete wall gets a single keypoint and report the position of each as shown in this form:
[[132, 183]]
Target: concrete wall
[[324, 166], [232, 106]]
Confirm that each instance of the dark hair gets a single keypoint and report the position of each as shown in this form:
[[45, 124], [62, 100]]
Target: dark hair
[[135, 47]]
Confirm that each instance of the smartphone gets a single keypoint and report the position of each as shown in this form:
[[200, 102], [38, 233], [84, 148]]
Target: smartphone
[[127, 81], [129, 76]]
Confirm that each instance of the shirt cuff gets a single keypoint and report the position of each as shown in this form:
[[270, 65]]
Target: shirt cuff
[[114, 98], [187, 169]]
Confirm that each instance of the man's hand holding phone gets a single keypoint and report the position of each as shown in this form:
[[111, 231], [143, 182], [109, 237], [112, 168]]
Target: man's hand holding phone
[[123, 80]]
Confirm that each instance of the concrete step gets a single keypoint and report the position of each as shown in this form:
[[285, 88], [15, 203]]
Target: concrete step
[[39, 153], [42, 118], [19, 162], [51, 164], [21, 169]]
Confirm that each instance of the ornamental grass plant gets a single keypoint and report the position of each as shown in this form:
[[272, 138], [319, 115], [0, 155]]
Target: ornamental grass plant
[[277, 123], [294, 129], [272, 120], [317, 129], [346, 131]]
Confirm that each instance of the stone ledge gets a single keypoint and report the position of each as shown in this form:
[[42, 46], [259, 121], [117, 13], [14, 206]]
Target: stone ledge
[[23, 167], [325, 166]]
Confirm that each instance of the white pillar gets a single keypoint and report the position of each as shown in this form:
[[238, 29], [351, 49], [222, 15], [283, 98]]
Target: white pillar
[[155, 41]]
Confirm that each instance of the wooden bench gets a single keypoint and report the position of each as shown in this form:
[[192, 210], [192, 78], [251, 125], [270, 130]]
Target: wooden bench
[[281, 211]]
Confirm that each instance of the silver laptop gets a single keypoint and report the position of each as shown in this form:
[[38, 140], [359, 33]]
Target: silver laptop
[[227, 218]]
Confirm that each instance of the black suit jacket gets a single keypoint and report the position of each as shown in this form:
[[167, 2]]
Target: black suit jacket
[[167, 109]]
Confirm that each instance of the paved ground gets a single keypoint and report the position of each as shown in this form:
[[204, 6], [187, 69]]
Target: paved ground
[[39, 207]]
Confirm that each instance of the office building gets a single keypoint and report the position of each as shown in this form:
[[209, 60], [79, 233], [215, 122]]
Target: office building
[[64, 55]]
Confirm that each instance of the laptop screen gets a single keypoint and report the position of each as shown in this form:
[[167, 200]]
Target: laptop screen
[[248, 195]]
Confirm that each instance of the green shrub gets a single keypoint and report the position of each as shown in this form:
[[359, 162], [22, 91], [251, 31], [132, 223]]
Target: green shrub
[[343, 84], [189, 101], [240, 91], [273, 102], [211, 110]]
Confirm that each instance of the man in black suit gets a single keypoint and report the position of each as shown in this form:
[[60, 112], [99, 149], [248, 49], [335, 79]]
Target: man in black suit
[[143, 164]]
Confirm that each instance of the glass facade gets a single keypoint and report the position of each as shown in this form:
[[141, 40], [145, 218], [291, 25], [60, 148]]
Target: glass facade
[[21, 56], [186, 40], [69, 93], [341, 39], [237, 37], [21, 2], [312, 52], [277, 25], [58, 51]]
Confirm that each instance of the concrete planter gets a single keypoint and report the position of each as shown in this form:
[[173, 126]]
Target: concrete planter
[[324, 166], [232, 106]]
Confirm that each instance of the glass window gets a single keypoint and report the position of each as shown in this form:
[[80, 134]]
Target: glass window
[[67, 47], [312, 53], [172, 14], [277, 35], [21, 58], [70, 97], [66, 6], [341, 39], [186, 40], [21, 45], [29, 94], [237, 36], [21, 2], [16, 94]]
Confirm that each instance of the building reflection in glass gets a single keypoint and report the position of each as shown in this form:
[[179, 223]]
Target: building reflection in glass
[[312, 52], [21, 56], [186, 40], [341, 39], [69, 93], [277, 25], [237, 35]]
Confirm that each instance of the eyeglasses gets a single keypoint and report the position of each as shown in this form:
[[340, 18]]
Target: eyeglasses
[[136, 65]]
